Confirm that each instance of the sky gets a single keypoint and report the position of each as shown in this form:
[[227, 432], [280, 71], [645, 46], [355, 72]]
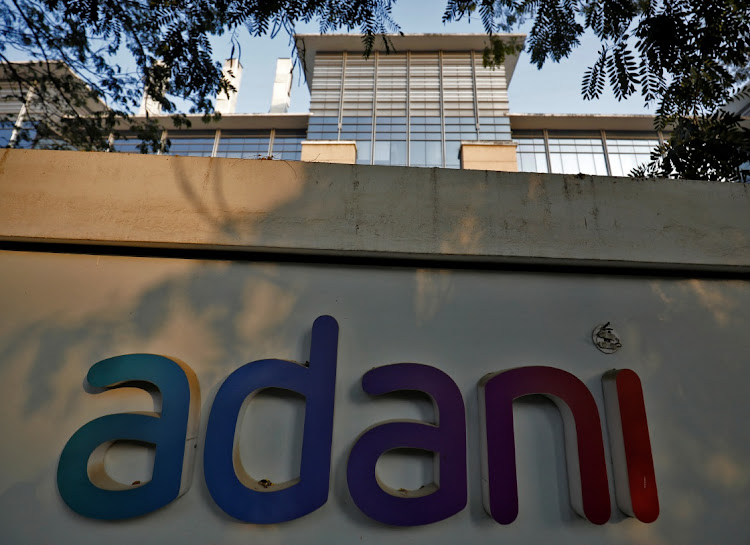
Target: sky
[[556, 88]]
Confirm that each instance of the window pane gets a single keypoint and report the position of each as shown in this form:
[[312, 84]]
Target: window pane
[[5, 134], [452, 154], [382, 153], [364, 152], [577, 155], [248, 145], [193, 143], [398, 153], [627, 154], [417, 154], [434, 154]]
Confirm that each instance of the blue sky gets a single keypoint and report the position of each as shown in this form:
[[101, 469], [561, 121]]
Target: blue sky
[[554, 89]]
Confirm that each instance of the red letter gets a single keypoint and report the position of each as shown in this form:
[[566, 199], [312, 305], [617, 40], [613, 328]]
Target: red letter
[[635, 482]]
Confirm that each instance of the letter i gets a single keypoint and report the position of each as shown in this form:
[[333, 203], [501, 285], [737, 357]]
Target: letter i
[[635, 481]]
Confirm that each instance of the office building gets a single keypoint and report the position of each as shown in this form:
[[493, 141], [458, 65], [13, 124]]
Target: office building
[[429, 102]]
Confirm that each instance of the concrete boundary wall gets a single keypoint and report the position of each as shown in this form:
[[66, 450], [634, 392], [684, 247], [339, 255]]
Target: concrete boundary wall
[[326, 209]]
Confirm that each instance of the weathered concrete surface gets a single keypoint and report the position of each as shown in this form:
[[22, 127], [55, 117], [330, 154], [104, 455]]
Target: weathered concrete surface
[[361, 210]]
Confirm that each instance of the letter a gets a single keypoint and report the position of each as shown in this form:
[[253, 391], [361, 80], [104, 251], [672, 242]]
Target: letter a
[[236, 492], [81, 478], [447, 439]]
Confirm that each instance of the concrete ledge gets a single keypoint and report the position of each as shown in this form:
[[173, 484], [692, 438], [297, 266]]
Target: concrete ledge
[[313, 208], [486, 155], [329, 151]]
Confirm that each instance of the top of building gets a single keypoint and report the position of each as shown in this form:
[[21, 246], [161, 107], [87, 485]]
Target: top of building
[[308, 45]]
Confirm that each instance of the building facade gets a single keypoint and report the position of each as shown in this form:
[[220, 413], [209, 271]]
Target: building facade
[[430, 102]]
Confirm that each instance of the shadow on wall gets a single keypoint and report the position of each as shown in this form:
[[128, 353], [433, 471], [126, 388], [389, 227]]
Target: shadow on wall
[[319, 206], [217, 316]]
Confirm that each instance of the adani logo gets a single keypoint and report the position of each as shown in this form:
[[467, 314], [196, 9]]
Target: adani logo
[[87, 489]]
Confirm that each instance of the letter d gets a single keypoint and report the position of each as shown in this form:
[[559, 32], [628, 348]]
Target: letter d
[[236, 492]]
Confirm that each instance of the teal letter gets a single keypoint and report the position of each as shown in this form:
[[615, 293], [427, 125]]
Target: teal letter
[[81, 478]]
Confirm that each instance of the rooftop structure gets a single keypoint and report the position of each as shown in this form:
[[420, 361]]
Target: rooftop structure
[[427, 101]]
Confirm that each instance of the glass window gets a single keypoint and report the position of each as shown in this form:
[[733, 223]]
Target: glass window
[[364, 152], [577, 155], [323, 128], [627, 154], [5, 134], [494, 128], [325, 89], [27, 137], [492, 89], [453, 154], [382, 153], [390, 153], [244, 144], [531, 154], [356, 128], [287, 144], [745, 172], [193, 143], [128, 144], [391, 85], [398, 153], [434, 154], [426, 154]]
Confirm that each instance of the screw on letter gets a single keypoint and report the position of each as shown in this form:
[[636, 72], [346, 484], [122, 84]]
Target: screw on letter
[[606, 339]]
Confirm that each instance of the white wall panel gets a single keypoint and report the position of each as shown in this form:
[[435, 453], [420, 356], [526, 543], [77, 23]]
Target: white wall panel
[[684, 337]]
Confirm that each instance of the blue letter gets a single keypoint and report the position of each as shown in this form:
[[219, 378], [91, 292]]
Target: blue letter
[[81, 478], [236, 492]]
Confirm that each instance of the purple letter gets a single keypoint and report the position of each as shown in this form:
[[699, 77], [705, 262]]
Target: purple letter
[[587, 472], [446, 439]]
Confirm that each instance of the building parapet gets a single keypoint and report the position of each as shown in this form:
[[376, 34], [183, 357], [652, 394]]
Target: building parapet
[[394, 212]]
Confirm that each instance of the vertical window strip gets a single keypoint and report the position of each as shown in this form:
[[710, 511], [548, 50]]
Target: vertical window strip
[[408, 108], [358, 88], [458, 106], [491, 90], [442, 110], [603, 136], [325, 94]]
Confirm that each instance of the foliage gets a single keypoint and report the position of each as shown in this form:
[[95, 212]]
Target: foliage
[[688, 57], [711, 147], [169, 42]]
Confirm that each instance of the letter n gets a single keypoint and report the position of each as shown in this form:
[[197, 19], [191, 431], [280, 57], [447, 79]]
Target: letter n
[[587, 471], [81, 478], [236, 492], [447, 439]]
